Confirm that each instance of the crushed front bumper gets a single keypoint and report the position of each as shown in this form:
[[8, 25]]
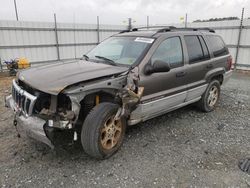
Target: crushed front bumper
[[30, 126]]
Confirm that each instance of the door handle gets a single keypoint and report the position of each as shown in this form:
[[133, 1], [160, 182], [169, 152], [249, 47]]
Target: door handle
[[209, 66], [180, 74]]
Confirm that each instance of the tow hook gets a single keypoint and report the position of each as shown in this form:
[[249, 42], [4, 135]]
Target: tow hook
[[15, 124]]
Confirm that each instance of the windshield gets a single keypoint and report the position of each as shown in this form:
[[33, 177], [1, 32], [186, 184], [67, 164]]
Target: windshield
[[121, 50]]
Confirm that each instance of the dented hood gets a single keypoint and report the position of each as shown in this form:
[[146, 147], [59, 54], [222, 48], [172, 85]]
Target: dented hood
[[55, 77]]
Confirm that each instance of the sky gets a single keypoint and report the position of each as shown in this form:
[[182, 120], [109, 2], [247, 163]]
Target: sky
[[118, 11]]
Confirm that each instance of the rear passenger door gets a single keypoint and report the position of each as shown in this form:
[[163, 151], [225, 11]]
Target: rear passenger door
[[199, 63]]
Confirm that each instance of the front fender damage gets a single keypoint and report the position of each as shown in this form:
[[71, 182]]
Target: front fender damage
[[124, 87], [130, 95]]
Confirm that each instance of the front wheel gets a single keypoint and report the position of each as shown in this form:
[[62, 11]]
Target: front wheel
[[210, 98], [101, 134]]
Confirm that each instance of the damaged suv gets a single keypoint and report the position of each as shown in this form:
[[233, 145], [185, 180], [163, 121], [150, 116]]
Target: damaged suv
[[129, 78]]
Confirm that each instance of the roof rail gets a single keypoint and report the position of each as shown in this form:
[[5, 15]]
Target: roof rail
[[153, 27], [196, 29], [160, 29], [125, 31], [157, 28]]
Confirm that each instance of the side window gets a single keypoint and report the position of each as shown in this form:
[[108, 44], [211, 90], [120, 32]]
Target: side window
[[218, 46], [170, 51], [195, 51], [204, 48]]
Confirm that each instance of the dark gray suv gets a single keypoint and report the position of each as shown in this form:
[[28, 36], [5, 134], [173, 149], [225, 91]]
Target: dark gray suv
[[128, 78]]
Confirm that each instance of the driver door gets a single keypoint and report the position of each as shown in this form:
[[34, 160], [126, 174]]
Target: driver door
[[165, 90]]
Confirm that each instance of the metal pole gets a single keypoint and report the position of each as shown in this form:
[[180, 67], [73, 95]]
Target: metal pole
[[57, 44], [1, 65], [98, 30], [239, 37], [186, 21], [16, 10], [147, 21], [74, 35], [129, 23]]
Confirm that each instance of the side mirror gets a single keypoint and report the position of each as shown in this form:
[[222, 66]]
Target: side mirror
[[158, 66]]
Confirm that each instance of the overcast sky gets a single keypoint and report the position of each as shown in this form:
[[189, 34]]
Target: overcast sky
[[117, 11]]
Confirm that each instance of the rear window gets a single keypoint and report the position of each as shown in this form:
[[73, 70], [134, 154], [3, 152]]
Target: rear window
[[218, 47]]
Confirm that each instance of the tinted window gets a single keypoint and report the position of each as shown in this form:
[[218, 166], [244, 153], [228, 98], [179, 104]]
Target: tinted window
[[170, 51], [195, 51], [204, 48], [218, 46]]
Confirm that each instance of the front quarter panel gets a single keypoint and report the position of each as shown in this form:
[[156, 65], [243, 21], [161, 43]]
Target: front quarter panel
[[109, 85]]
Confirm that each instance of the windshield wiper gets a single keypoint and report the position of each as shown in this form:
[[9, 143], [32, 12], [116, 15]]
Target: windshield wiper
[[109, 61], [85, 57]]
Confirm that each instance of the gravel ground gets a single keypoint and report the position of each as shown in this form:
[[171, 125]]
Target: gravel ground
[[184, 148]]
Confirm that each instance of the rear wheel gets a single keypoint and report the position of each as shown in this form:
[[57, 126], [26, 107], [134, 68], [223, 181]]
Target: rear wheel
[[210, 98], [101, 134]]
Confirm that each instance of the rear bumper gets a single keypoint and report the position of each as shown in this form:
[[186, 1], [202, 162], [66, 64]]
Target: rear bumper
[[227, 76], [31, 126]]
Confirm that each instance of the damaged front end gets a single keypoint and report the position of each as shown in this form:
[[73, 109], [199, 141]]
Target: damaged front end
[[40, 115], [57, 119], [60, 117], [22, 103]]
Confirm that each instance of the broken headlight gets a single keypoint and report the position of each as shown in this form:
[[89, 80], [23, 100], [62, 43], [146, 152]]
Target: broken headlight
[[57, 110]]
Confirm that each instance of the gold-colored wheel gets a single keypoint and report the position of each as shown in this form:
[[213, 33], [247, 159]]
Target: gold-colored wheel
[[213, 96], [102, 135], [111, 133]]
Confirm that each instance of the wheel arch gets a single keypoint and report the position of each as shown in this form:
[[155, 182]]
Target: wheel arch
[[215, 74], [93, 99]]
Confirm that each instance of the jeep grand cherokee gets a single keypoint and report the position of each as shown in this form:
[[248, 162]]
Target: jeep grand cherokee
[[129, 78]]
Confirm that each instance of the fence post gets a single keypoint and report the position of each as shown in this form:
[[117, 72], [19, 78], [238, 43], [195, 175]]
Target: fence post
[[186, 17], [75, 37], [98, 30], [129, 23], [238, 42], [16, 10], [57, 44], [1, 66], [147, 22]]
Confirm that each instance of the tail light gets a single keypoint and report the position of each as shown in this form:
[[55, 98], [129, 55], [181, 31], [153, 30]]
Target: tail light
[[229, 62]]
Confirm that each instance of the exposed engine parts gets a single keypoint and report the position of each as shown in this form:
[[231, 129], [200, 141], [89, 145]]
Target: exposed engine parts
[[130, 94], [67, 114]]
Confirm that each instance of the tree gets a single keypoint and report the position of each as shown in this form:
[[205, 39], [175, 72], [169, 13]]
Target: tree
[[217, 19]]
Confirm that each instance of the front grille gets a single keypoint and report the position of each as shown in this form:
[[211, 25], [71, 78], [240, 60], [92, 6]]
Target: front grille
[[24, 100]]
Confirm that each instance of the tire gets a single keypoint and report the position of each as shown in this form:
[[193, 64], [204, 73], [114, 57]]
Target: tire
[[101, 136], [208, 102]]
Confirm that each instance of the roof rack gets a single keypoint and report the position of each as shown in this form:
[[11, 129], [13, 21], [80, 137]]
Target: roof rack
[[157, 28], [153, 27], [196, 29], [160, 29]]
